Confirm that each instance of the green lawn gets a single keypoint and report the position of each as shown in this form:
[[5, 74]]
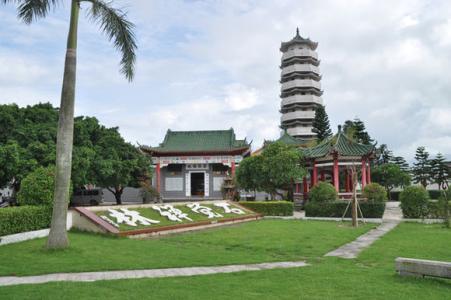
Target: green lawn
[[371, 276], [253, 242]]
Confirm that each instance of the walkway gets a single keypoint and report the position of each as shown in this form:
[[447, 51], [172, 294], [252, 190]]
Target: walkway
[[392, 217], [151, 273]]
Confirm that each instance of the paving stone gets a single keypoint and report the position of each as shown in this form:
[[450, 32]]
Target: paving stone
[[149, 273], [392, 217]]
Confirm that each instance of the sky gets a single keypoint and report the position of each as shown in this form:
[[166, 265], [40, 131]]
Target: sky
[[204, 65]]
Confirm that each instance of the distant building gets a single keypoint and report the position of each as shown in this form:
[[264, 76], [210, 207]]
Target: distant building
[[193, 164], [301, 88]]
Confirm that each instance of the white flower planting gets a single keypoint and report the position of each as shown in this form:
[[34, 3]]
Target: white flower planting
[[227, 208], [197, 208], [136, 217], [130, 217], [172, 213], [110, 221]]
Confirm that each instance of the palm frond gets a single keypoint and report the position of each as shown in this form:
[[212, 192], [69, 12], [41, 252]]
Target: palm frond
[[113, 22], [31, 10]]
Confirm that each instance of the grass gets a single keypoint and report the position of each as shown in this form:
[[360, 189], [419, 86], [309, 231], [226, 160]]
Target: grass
[[253, 242], [371, 276], [164, 221]]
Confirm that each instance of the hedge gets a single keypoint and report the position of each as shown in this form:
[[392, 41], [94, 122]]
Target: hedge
[[270, 208], [24, 218], [433, 194], [436, 209], [337, 208]]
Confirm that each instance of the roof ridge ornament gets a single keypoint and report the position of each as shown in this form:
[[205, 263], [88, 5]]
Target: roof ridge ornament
[[339, 128], [297, 32]]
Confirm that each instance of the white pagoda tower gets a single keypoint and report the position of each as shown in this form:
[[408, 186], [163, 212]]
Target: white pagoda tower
[[301, 88]]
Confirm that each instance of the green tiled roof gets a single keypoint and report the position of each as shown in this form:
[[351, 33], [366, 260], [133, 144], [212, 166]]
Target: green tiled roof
[[340, 144], [290, 140], [200, 141]]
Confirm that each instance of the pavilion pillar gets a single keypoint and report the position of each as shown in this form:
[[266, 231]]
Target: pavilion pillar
[[368, 173], [314, 174], [323, 176], [347, 185], [297, 188], [363, 173], [158, 177], [232, 169], [336, 175], [304, 181]]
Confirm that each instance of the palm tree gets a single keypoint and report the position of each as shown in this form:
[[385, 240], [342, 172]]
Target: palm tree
[[113, 22]]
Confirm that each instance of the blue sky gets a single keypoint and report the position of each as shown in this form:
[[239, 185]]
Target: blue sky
[[215, 65]]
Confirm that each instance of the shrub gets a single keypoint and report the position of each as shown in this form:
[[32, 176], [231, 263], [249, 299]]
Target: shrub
[[323, 192], [24, 218], [437, 209], [414, 202], [375, 192], [270, 208], [434, 194], [336, 209], [37, 187]]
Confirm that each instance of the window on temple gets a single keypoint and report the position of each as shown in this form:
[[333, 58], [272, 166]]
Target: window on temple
[[219, 169], [174, 169]]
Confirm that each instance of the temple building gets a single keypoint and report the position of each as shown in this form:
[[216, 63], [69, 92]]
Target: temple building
[[301, 88], [192, 165]]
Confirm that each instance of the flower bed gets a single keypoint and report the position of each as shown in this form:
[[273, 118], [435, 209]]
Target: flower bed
[[141, 219]]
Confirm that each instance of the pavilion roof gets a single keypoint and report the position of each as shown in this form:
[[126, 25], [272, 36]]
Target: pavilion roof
[[298, 40], [290, 140], [339, 144], [214, 141]]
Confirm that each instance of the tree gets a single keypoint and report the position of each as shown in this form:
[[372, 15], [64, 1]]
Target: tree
[[275, 169], [114, 23], [281, 168], [321, 124], [440, 171], [422, 167], [401, 162], [249, 174], [385, 155], [118, 164], [356, 130], [390, 176]]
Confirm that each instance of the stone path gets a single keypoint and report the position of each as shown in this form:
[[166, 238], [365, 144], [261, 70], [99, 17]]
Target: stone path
[[150, 273], [392, 217]]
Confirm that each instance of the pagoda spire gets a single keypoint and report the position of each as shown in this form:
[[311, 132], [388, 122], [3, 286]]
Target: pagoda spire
[[297, 31]]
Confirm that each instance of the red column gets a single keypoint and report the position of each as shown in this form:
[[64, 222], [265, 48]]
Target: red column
[[336, 178], [158, 177], [233, 169], [323, 176], [315, 174], [368, 173], [304, 181], [363, 173], [347, 185], [298, 188]]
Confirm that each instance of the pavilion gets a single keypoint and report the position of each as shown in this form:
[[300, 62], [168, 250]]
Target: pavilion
[[332, 160]]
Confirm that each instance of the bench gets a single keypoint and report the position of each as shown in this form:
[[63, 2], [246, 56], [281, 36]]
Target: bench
[[422, 267]]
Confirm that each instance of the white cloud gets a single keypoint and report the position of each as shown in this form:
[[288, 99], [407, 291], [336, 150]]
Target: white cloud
[[215, 64]]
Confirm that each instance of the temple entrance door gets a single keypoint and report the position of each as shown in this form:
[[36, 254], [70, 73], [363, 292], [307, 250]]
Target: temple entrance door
[[198, 184]]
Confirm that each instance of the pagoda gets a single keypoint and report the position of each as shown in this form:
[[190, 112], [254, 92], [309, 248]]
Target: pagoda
[[301, 88]]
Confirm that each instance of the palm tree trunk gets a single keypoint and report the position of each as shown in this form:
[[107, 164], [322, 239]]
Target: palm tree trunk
[[58, 233]]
